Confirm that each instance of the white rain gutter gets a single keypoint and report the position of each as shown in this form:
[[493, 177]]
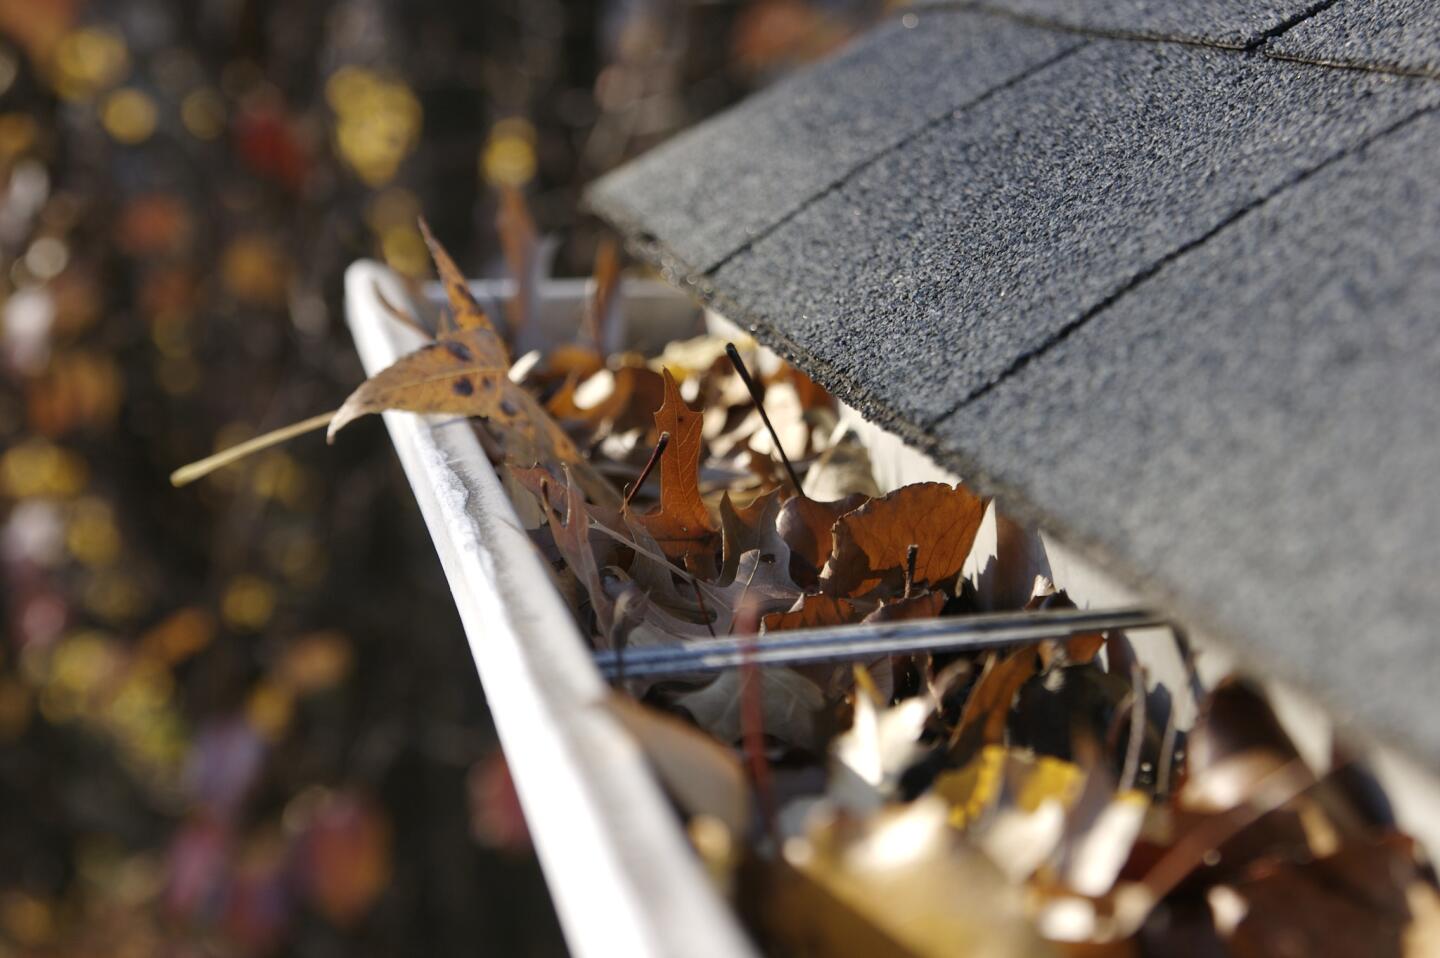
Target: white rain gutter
[[620, 871]]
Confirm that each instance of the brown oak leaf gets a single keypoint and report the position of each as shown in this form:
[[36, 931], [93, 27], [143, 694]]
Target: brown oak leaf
[[871, 544], [681, 524]]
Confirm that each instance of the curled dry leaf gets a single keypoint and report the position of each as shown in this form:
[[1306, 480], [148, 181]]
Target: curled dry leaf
[[617, 400], [806, 524], [871, 544]]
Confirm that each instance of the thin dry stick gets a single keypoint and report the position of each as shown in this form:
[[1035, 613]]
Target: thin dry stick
[[655, 455], [744, 375], [198, 470], [912, 552]]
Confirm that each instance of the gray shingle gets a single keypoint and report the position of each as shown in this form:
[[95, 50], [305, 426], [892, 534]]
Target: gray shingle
[[1389, 34], [706, 193], [923, 278], [1255, 428], [1230, 22]]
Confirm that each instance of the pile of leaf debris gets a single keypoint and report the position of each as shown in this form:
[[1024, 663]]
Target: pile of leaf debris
[[1033, 801]]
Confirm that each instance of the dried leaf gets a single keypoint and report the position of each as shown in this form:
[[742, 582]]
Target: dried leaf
[[806, 524], [843, 469], [680, 524], [706, 778], [459, 373], [815, 612], [789, 700], [1236, 744], [466, 311], [572, 538], [466, 373], [983, 720], [762, 586], [1007, 576], [1076, 650], [871, 543], [867, 760], [748, 527], [912, 876], [927, 605], [1351, 903]]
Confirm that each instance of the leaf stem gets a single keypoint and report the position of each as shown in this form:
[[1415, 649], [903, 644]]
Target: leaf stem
[[202, 468]]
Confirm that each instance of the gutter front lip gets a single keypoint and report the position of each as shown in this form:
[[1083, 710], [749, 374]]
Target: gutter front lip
[[620, 871]]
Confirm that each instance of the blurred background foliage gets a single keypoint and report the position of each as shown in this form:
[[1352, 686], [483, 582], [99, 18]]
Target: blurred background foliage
[[240, 718]]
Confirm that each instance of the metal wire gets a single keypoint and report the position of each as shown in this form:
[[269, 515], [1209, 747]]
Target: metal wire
[[870, 640]]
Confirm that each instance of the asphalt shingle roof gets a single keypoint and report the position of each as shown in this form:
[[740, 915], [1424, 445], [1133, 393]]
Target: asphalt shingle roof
[[1256, 426], [1012, 220], [1237, 23], [1402, 35], [816, 130], [1176, 301]]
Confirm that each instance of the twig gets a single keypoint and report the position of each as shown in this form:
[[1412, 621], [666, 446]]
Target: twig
[[744, 375], [655, 455]]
